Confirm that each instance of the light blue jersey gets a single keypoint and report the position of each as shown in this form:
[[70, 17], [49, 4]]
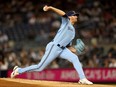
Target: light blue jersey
[[66, 33], [57, 48]]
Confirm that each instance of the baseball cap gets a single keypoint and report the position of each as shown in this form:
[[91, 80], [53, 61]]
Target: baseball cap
[[72, 13]]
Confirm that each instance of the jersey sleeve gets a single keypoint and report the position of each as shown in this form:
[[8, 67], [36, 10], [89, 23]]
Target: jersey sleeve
[[65, 19]]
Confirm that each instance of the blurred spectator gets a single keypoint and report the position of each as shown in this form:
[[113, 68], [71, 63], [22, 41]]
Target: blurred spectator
[[112, 63], [3, 37], [13, 60], [54, 65], [3, 64]]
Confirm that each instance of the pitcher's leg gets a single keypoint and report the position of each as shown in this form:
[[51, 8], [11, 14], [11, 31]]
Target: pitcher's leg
[[46, 59], [68, 55], [35, 67]]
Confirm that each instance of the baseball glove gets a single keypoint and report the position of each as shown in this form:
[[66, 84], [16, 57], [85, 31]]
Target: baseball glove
[[80, 46]]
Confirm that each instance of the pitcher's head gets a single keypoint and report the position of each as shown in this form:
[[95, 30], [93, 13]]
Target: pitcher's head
[[72, 13], [73, 16]]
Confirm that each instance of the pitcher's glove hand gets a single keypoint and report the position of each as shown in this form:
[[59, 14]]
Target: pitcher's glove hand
[[80, 46]]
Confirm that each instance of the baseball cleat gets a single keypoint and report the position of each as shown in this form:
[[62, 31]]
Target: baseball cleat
[[15, 72], [85, 81]]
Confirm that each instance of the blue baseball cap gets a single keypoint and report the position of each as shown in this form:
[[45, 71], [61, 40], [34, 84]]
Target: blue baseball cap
[[72, 13]]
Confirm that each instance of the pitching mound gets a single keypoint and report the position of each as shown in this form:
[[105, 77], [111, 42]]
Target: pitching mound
[[7, 82]]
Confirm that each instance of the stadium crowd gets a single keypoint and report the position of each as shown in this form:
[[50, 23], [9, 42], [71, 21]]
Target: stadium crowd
[[23, 21]]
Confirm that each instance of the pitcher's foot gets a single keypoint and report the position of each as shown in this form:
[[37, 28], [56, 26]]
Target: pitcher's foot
[[85, 81], [15, 72]]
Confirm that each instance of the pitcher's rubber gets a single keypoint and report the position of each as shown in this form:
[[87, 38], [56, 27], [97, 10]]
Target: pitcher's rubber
[[8, 82]]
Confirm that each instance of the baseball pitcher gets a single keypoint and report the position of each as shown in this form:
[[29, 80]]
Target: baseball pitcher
[[58, 47]]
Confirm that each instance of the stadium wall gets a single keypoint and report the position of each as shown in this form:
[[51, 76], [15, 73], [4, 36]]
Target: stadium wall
[[69, 75]]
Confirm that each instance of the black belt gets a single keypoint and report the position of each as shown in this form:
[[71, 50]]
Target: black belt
[[62, 47]]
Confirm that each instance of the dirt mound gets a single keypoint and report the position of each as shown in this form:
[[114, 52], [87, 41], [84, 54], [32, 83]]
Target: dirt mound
[[7, 82]]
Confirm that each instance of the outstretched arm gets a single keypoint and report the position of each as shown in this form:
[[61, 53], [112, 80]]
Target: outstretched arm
[[56, 10]]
